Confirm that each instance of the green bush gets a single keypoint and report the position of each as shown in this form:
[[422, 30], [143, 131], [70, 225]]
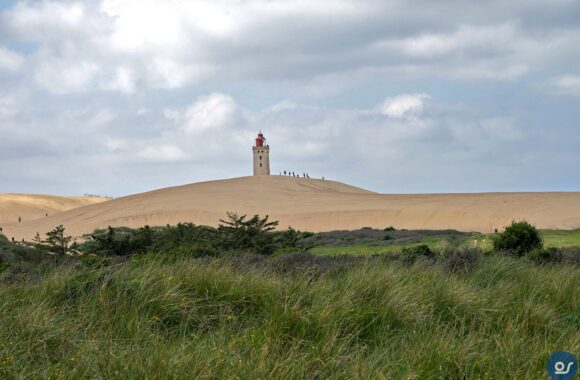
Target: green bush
[[419, 250], [193, 250], [4, 266], [545, 256], [93, 261], [519, 238], [410, 254], [387, 237]]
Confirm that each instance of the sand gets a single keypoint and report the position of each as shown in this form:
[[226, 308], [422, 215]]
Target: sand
[[31, 206], [313, 205]]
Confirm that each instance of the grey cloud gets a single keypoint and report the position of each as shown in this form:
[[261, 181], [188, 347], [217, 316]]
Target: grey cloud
[[107, 47]]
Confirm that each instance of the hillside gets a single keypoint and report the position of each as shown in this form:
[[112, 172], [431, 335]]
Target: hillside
[[31, 206], [314, 205]]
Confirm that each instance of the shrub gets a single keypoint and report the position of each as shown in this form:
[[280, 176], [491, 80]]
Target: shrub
[[519, 238], [410, 254], [194, 250], [390, 228], [3, 266], [544, 255], [312, 265], [289, 238], [387, 237], [419, 250], [24, 253], [460, 260], [110, 242], [94, 261], [16, 252], [57, 242], [237, 232], [570, 255], [306, 234]]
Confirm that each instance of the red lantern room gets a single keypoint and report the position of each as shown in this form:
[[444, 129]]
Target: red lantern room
[[260, 139]]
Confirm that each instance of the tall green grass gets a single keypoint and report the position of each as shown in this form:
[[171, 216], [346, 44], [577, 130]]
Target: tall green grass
[[209, 319]]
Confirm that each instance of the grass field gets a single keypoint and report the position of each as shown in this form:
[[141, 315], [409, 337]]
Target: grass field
[[552, 238], [370, 242], [364, 250], [354, 250], [194, 318], [561, 238]]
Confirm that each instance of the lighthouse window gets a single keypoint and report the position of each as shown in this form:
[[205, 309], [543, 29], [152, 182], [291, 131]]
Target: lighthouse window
[[260, 164], [260, 157]]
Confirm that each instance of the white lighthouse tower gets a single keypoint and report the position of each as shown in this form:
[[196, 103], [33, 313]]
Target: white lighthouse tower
[[261, 156]]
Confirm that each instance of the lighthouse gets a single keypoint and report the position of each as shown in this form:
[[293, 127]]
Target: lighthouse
[[261, 156]]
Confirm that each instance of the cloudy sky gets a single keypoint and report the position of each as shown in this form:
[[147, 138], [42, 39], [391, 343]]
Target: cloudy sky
[[114, 97]]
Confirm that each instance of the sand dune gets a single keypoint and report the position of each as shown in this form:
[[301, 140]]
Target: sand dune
[[30, 206], [314, 205]]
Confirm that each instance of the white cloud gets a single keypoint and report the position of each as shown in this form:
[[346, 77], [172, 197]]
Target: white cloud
[[466, 39], [10, 60], [64, 77], [407, 105], [50, 21], [565, 85], [123, 81], [209, 112], [494, 72], [8, 107], [143, 24]]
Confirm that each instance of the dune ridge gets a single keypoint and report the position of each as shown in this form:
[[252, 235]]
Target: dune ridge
[[35, 206], [313, 205]]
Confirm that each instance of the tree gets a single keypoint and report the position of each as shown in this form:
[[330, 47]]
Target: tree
[[253, 234], [519, 238], [290, 238], [57, 242]]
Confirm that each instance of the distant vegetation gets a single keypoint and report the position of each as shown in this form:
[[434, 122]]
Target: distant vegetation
[[519, 238], [246, 301], [99, 196]]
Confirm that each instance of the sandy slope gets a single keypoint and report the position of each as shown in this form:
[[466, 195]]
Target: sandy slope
[[314, 205], [31, 206]]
